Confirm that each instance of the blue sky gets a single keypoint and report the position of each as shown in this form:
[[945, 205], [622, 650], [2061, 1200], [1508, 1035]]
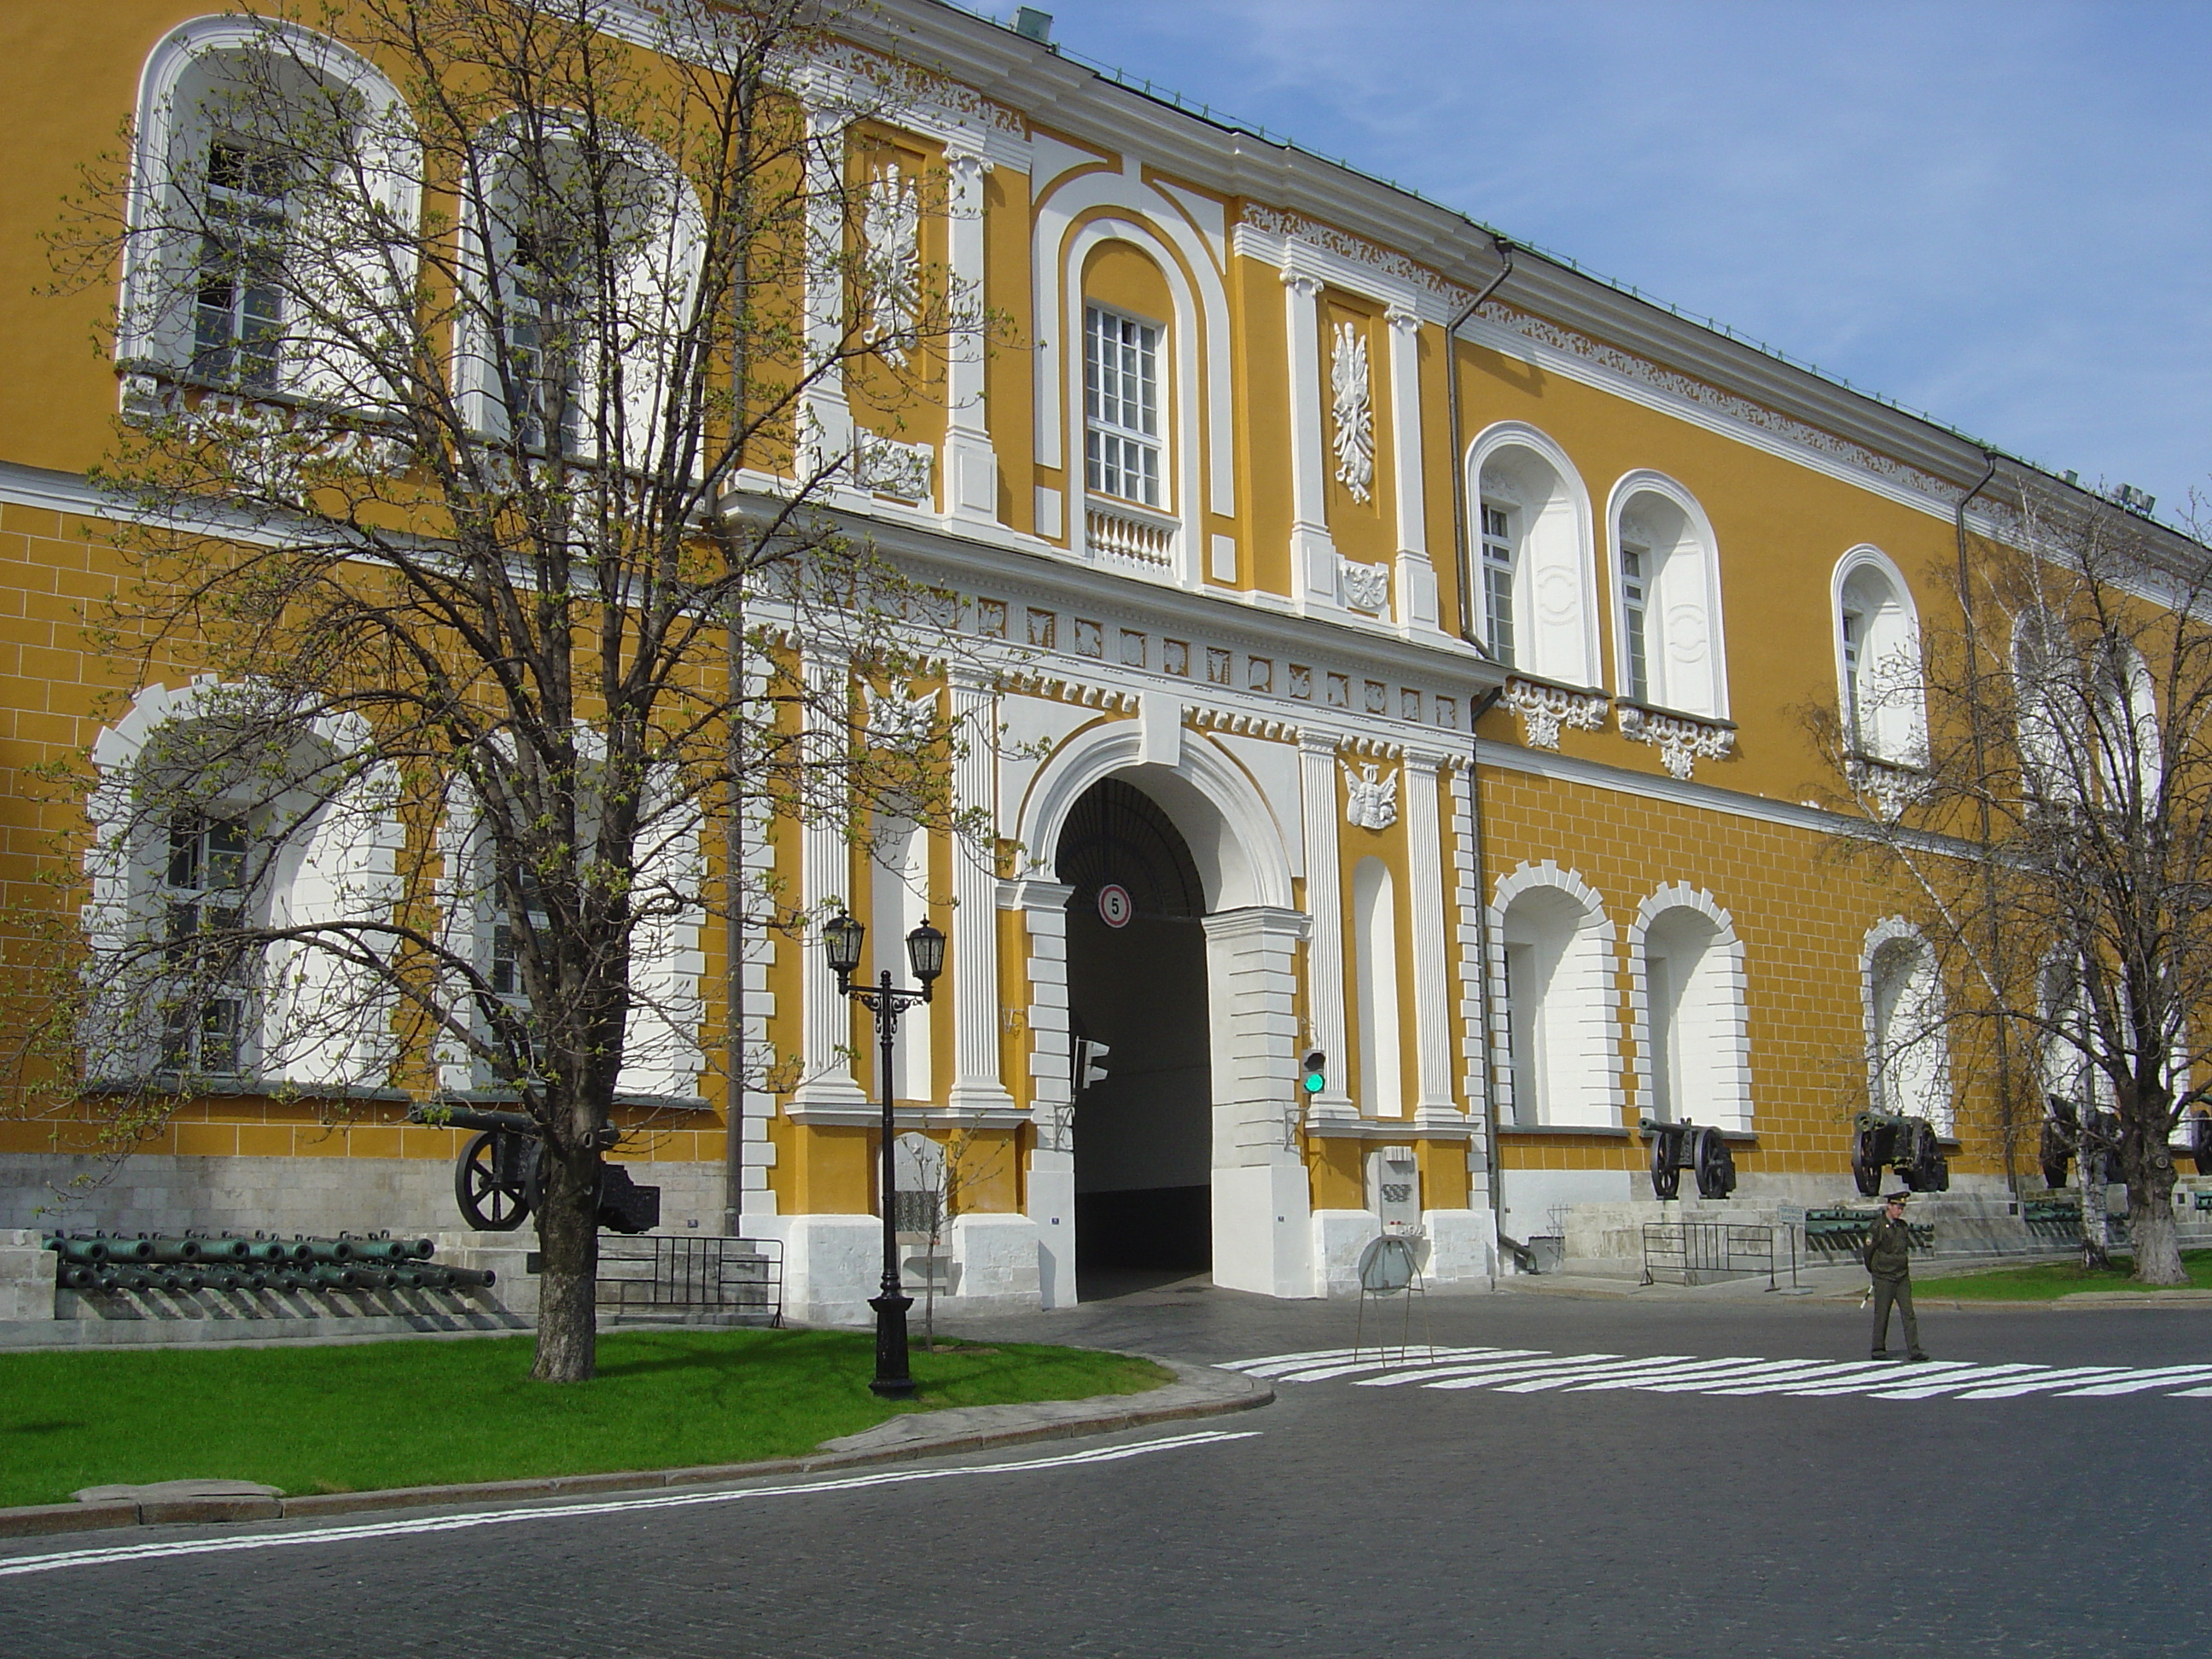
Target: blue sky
[[2001, 214]]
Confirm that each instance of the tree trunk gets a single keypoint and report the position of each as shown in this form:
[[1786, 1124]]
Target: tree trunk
[[568, 1236], [2150, 1213]]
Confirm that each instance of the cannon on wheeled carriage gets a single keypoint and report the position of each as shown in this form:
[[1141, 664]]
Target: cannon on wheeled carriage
[[2064, 1132], [1679, 1146], [1907, 1145], [499, 1176]]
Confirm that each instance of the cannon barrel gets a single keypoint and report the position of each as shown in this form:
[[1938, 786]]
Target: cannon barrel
[[391, 1250], [225, 1249], [469, 1117], [332, 1276], [459, 1276], [172, 1251], [80, 1251], [328, 1250]]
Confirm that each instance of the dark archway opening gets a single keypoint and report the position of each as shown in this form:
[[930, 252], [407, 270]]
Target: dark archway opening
[[1144, 1135]]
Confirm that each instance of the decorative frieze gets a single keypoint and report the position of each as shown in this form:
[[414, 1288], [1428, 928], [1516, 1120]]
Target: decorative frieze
[[1681, 740], [1890, 787], [890, 241], [1545, 710]]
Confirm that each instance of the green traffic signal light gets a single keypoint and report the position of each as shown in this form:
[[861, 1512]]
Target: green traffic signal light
[[1315, 1081]]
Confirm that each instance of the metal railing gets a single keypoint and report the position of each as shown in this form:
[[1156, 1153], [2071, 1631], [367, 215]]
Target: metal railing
[[1689, 1248], [712, 1274]]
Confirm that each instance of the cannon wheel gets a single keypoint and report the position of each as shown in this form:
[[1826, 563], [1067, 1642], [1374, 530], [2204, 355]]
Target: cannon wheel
[[1941, 1176], [1867, 1177], [2200, 1141], [1666, 1179], [1711, 1160], [491, 1205]]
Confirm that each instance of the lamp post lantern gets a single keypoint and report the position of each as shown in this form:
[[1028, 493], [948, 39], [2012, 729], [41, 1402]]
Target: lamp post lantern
[[924, 949]]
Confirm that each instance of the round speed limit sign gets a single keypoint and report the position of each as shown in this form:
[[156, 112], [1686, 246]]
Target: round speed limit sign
[[1115, 905]]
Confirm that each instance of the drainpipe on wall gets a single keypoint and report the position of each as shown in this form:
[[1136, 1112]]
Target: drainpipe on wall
[[1458, 461], [1484, 999]]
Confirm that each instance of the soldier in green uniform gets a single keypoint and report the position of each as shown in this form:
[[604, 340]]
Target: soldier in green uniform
[[1889, 1262]]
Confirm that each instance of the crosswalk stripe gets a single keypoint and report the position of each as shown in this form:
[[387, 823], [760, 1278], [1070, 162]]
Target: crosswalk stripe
[[1325, 1373], [1626, 1367], [1568, 1363], [1504, 1361], [1694, 1379], [1537, 1371], [2049, 1380], [2164, 1377]]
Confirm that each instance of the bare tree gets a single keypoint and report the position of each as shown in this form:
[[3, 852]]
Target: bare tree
[[2049, 813], [484, 388]]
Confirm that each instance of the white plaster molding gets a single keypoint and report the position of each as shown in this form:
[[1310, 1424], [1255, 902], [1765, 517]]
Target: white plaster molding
[[978, 1093], [887, 466], [1352, 413], [1325, 905], [1583, 994], [1546, 709], [1681, 740], [1370, 803], [1425, 899], [1366, 587]]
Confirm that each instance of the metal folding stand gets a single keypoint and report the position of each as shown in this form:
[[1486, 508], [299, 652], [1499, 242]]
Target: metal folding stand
[[1389, 1266]]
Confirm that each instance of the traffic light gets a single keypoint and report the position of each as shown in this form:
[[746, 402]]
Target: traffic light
[[1316, 1076], [1089, 1063]]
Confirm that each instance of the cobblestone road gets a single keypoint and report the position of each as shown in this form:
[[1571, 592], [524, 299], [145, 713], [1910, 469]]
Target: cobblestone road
[[1560, 1520]]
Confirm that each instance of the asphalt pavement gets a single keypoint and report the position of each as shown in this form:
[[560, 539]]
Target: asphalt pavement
[[1559, 1477]]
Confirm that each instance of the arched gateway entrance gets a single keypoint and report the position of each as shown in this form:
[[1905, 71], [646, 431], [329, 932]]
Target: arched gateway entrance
[[1190, 1151], [1137, 982]]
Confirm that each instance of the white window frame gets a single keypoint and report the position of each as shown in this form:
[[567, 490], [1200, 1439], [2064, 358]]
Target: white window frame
[[201, 888], [1500, 555], [1108, 435]]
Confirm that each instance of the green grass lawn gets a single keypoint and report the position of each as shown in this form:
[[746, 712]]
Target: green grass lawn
[[2048, 1281], [409, 1413]]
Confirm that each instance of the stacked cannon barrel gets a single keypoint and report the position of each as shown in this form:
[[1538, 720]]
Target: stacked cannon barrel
[[94, 1263]]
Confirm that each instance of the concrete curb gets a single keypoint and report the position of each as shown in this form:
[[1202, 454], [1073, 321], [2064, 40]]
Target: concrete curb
[[1198, 1391]]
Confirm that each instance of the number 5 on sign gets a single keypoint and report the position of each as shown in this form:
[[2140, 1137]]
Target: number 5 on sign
[[1115, 905]]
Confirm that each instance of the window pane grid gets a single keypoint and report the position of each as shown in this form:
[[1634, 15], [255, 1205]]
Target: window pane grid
[[1121, 407], [237, 316], [1497, 581], [1632, 622]]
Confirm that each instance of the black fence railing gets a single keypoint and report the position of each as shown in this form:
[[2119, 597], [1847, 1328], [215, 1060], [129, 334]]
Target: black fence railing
[[711, 1274], [1687, 1251]]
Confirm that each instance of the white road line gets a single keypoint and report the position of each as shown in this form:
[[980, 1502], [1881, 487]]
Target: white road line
[[2165, 1376], [1506, 1359], [2050, 1379], [1910, 1387], [1325, 1373], [1583, 1365], [1629, 1367], [1685, 1379], [1891, 1376], [1257, 1367], [1874, 1371], [59, 1559]]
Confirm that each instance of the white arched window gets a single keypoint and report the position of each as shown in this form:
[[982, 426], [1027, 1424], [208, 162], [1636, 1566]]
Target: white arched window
[[581, 254], [1375, 931], [1877, 633], [219, 818], [274, 192], [1908, 1066], [1536, 605], [1556, 1008], [1695, 1052], [1667, 599], [898, 880]]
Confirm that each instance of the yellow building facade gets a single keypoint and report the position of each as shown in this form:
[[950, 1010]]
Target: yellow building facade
[[1400, 641]]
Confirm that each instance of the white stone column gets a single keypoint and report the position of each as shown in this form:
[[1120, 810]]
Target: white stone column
[[1262, 1201], [757, 1151], [977, 1087], [1317, 801], [827, 1091], [1427, 877], [1313, 553], [1417, 575], [971, 467], [1051, 1186]]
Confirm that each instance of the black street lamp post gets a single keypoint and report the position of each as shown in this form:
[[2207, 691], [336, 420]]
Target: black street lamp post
[[925, 949]]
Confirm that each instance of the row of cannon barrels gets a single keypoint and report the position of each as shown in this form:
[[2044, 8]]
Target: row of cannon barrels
[[188, 1261]]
